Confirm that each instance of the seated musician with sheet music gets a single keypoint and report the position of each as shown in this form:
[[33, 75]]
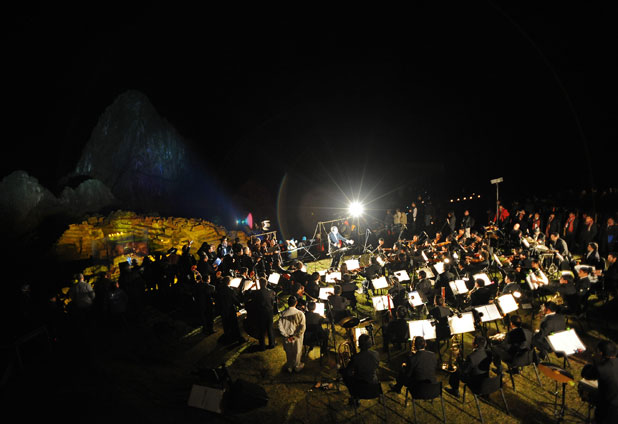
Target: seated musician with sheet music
[[374, 270], [424, 287], [440, 312], [480, 294], [419, 367], [315, 332], [517, 342], [473, 369], [312, 289], [552, 322], [396, 331], [361, 373], [338, 305], [348, 289], [604, 369]]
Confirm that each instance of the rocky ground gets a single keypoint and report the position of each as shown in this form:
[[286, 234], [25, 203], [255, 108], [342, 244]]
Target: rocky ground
[[145, 372]]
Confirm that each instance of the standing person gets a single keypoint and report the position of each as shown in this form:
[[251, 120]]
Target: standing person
[[292, 327], [204, 295], [588, 234], [413, 217], [467, 222], [570, 230], [228, 304], [334, 237], [265, 302], [451, 221], [82, 298]]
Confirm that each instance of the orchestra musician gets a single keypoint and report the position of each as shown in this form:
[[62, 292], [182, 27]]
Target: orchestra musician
[[396, 330], [473, 369], [338, 304], [518, 341], [361, 373], [419, 367], [334, 241], [315, 331], [373, 271], [604, 369], [552, 322], [424, 287]]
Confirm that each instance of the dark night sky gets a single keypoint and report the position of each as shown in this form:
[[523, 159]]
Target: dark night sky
[[483, 91]]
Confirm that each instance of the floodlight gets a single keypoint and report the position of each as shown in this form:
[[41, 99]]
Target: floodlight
[[356, 209]]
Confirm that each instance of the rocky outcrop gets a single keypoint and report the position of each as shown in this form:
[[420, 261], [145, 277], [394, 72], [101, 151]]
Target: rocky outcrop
[[137, 154]]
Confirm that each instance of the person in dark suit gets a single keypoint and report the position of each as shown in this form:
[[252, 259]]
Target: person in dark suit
[[315, 330], [265, 306], [299, 275], [312, 290], [204, 295], [362, 370], [338, 305], [440, 313], [510, 283], [396, 330], [473, 369], [552, 322], [604, 369], [423, 286], [348, 288], [419, 367], [480, 294], [228, 303], [592, 257], [517, 341]]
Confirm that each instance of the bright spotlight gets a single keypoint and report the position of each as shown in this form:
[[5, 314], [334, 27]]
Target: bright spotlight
[[356, 209]]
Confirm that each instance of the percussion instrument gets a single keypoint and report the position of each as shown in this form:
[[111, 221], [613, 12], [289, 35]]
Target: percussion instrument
[[559, 375], [588, 390]]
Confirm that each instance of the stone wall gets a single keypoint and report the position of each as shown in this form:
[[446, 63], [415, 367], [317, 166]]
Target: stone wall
[[99, 237]]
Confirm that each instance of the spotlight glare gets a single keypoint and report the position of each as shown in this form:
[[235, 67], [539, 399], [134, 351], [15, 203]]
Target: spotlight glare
[[356, 209]]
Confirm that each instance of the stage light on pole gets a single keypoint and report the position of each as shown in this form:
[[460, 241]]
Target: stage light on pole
[[356, 209]]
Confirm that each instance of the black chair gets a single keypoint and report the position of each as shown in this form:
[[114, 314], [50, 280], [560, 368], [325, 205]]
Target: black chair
[[425, 391], [521, 361], [485, 387], [367, 391]]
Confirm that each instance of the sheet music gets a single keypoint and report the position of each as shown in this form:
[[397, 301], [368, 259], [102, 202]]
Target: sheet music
[[483, 277], [422, 328], [424, 256], [333, 276], [274, 278], [380, 260], [507, 303], [319, 309], [415, 299], [458, 287], [428, 271], [325, 292], [358, 331], [402, 275], [439, 266], [489, 312], [235, 282], [379, 283], [566, 342], [382, 303], [465, 324], [352, 264], [249, 285], [322, 272]]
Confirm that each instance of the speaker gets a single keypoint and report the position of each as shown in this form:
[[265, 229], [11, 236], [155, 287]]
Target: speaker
[[245, 396]]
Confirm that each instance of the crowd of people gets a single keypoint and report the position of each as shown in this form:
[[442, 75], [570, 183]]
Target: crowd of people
[[554, 258]]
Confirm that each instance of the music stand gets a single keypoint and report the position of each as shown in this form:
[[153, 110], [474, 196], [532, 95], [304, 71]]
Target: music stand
[[422, 328], [402, 275], [274, 278], [332, 277], [559, 375], [379, 283], [484, 277], [458, 287], [325, 292], [352, 264], [507, 303], [461, 324]]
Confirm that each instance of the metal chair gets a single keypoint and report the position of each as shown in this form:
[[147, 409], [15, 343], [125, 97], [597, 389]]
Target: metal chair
[[486, 387], [425, 391], [367, 391], [521, 361]]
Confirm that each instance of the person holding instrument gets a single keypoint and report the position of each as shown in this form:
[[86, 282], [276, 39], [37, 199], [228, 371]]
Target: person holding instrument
[[473, 369], [334, 238], [419, 367], [604, 369]]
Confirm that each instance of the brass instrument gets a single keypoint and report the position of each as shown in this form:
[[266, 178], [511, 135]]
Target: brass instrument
[[344, 354], [454, 356]]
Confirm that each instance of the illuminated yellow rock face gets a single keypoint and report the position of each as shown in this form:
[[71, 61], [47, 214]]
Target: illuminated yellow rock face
[[103, 238]]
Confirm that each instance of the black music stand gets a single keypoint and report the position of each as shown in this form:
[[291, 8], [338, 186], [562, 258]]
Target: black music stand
[[559, 375]]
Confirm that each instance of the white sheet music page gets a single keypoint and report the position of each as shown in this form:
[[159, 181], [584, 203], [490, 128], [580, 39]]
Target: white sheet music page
[[566, 341], [489, 312], [352, 264], [274, 278], [325, 292], [415, 299], [333, 276], [235, 282], [319, 309], [483, 277], [507, 303], [458, 286], [402, 275], [422, 328], [465, 324], [382, 303], [380, 283], [439, 266]]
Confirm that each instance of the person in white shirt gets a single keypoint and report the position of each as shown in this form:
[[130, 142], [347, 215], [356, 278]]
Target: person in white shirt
[[292, 326]]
